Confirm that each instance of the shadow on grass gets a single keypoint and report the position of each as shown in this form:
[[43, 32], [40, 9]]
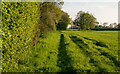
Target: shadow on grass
[[102, 44], [111, 58], [64, 61], [97, 43], [83, 46]]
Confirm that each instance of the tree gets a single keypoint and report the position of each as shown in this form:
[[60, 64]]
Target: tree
[[64, 22], [104, 24], [100, 26], [85, 21], [50, 16], [111, 25], [115, 24], [97, 26], [119, 26]]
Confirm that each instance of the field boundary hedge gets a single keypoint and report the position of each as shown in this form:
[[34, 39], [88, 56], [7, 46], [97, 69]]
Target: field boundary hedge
[[19, 34]]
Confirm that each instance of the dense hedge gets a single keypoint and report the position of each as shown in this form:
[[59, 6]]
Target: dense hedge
[[22, 25], [20, 21]]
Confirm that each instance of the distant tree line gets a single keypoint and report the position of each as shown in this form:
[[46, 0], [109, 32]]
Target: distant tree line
[[106, 25], [86, 21]]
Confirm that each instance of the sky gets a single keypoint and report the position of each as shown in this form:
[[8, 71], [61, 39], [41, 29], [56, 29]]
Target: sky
[[91, 0], [103, 10]]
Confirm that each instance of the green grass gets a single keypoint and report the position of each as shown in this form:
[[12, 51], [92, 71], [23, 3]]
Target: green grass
[[99, 47], [45, 55], [74, 51]]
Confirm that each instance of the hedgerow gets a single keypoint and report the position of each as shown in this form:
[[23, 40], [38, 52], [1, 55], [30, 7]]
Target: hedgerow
[[20, 21], [22, 25]]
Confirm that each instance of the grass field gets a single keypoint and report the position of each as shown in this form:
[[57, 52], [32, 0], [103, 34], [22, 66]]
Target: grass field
[[73, 51], [76, 51]]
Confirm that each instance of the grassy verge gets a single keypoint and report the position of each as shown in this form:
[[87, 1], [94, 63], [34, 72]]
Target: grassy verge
[[46, 52]]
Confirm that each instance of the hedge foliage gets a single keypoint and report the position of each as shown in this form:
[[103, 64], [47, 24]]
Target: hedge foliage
[[20, 21], [22, 25]]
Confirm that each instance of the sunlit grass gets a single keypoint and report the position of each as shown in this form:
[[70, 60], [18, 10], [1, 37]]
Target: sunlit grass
[[74, 51]]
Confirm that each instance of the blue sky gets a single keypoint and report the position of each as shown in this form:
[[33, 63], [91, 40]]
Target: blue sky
[[103, 10]]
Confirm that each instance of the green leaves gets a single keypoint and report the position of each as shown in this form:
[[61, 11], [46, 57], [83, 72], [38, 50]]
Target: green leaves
[[22, 24], [50, 15], [18, 31], [85, 21], [64, 21]]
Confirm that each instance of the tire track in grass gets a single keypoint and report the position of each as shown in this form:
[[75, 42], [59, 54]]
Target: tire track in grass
[[103, 45], [97, 43], [117, 64], [83, 46], [64, 61]]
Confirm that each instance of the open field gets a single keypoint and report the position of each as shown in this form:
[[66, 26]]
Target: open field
[[76, 51], [73, 51]]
